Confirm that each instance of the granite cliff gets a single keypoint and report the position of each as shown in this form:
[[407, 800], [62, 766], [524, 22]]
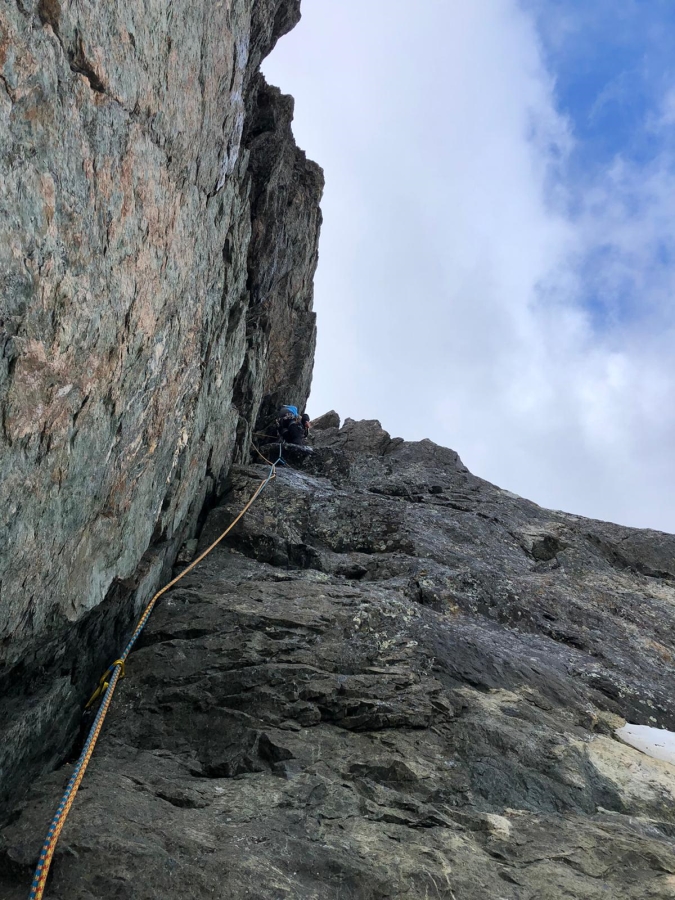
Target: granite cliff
[[394, 679], [158, 239]]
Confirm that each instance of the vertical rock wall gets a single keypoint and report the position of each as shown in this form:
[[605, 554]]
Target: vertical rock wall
[[158, 239]]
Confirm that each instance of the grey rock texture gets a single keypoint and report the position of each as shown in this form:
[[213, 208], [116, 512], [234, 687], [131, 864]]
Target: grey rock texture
[[158, 239], [327, 420], [396, 680]]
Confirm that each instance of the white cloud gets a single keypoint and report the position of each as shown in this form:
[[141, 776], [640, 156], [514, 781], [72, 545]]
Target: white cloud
[[452, 275]]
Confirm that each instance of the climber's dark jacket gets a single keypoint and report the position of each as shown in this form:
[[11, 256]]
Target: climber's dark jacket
[[291, 429]]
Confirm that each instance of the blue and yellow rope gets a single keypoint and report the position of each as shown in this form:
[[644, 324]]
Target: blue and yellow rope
[[106, 689]]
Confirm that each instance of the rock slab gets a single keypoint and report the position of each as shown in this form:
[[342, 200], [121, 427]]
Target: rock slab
[[395, 681]]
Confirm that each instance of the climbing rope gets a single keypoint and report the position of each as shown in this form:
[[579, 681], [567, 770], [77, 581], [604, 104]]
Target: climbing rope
[[106, 688], [279, 460], [264, 457]]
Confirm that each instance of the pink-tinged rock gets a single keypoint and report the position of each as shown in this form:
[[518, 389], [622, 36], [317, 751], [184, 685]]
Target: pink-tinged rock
[[136, 347]]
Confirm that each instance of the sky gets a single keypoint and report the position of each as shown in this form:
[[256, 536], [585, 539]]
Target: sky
[[497, 260]]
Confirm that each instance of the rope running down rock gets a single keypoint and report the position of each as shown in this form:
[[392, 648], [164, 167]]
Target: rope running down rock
[[106, 688]]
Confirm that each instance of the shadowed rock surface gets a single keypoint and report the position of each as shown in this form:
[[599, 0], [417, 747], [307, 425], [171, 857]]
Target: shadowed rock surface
[[397, 680], [158, 240]]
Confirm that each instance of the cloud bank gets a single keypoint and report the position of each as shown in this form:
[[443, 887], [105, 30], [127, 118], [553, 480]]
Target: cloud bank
[[485, 279]]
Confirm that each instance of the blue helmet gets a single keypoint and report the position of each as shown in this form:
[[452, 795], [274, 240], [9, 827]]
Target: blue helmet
[[291, 409]]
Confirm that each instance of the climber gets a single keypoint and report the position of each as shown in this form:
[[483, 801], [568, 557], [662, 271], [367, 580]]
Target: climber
[[291, 426]]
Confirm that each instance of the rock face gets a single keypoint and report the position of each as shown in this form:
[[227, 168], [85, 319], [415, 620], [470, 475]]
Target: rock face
[[396, 680], [158, 239]]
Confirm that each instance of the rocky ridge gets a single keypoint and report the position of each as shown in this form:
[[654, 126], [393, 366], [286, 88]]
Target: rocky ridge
[[158, 239], [396, 680]]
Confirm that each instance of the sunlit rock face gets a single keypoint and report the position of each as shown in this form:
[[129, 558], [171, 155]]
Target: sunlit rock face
[[394, 680], [158, 239]]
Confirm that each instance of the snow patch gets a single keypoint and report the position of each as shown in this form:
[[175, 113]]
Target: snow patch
[[655, 742]]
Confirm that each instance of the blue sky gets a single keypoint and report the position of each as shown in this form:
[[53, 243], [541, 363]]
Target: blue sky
[[612, 64], [613, 70], [497, 261]]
